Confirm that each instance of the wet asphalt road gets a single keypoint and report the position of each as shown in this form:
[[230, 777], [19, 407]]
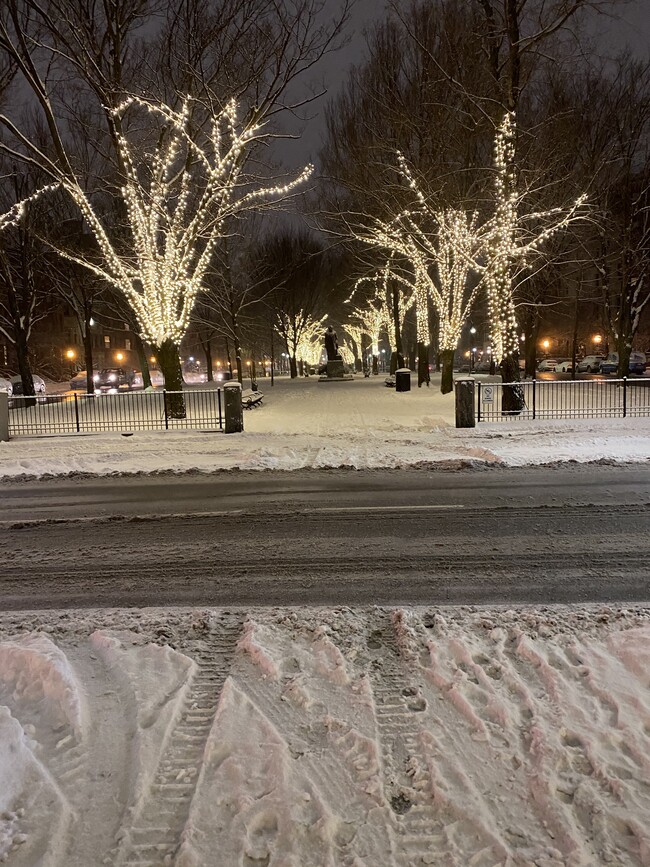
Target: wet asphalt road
[[538, 535]]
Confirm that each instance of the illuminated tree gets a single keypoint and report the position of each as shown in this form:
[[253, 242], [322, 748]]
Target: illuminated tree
[[441, 248], [177, 197], [356, 335], [512, 239], [302, 335], [385, 311]]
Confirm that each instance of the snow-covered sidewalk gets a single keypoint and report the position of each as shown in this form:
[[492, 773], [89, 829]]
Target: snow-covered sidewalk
[[319, 738], [358, 424]]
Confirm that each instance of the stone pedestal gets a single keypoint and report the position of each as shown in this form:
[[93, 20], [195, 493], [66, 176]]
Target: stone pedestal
[[336, 372], [335, 367]]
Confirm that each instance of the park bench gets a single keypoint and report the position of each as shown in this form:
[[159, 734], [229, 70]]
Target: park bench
[[250, 398]]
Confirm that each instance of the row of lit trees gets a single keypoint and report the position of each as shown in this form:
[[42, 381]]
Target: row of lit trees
[[450, 255], [440, 81]]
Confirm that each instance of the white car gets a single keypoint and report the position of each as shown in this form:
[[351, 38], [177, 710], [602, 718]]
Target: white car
[[5, 385], [547, 364], [590, 364], [39, 384], [564, 365]]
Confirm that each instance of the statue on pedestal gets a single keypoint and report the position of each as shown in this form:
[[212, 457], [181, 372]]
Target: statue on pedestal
[[331, 344]]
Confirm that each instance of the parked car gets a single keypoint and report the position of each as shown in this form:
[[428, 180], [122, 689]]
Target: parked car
[[115, 377], [637, 363], [39, 384], [564, 365], [590, 364], [78, 381], [5, 385], [155, 376], [547, 364]]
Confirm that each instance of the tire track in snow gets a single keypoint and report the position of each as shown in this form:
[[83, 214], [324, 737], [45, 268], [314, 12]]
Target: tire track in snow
[[158, 830], [418, 835]]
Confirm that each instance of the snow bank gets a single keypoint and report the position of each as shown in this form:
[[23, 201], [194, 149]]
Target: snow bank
[[346, 737], [358, 424], [14, 773], [39, 675]]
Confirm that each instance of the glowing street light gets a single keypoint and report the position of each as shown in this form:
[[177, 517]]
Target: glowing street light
[[546, 344], [597, 339], [119, 356]]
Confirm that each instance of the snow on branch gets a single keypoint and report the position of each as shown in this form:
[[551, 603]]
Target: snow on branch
[[176, 196]]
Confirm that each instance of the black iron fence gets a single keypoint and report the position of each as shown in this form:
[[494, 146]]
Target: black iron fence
[[555, 399], [122, 412]]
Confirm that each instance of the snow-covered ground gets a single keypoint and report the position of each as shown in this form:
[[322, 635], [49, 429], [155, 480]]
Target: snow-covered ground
[[305, 423], [319, 738]]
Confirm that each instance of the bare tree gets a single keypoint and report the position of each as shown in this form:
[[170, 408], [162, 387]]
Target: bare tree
[[22, 287]]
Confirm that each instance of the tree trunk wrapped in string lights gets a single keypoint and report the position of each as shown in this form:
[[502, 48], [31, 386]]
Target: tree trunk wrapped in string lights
[[177, 195], [511, 239]]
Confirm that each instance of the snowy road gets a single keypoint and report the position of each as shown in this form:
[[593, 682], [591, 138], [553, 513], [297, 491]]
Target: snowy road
[[401, 537]]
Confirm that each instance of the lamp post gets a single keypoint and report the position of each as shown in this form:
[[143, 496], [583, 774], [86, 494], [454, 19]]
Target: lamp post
[[472, 331], [71, 355]]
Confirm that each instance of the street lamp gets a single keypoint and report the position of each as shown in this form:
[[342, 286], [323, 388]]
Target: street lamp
[[71, 355], [472, 332], [546, 344], [119, 356]]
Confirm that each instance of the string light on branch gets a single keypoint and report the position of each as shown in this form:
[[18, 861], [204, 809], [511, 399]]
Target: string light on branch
[[509, 242], [15, 214], [177, 196], [441, 249]]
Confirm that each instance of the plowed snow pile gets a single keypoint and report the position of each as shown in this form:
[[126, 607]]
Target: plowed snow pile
[[318, 738]]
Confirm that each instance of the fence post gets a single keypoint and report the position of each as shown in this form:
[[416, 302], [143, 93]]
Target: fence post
[[534, 406], [233, 407], [464, 394], [478, 402], [165, 409], [4, 417], [76, 411], [624, 396]]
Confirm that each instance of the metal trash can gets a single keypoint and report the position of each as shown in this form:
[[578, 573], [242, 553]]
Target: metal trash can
[[403, 379]]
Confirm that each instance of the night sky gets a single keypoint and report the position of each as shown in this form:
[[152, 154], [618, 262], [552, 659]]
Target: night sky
[[633, 29]]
